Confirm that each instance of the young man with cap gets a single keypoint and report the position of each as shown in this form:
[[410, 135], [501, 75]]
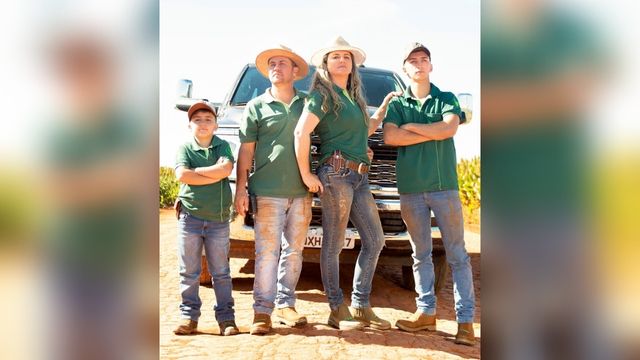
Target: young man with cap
[[422, 124], [202, 167], [283, 204]]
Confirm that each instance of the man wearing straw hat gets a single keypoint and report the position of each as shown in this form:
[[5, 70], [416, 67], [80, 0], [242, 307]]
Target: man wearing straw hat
[[283, 203]]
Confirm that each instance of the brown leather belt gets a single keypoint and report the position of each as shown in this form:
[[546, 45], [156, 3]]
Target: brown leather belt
[[338, 162]]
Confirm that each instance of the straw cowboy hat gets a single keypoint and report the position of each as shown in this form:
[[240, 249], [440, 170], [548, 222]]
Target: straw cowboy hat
[[339, 44], [262, 61]]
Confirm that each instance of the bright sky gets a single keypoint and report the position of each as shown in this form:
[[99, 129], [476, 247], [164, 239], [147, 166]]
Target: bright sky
[[209, 42]]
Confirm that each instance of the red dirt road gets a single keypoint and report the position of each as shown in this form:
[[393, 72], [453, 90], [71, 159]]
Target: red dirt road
[[317, 340]]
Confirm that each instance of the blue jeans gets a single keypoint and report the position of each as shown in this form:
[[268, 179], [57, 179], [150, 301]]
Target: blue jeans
[[416, 212], [281, 226], [347, 196], [193, 234]]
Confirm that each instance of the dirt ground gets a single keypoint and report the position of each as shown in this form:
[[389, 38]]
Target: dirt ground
[[316, 340]]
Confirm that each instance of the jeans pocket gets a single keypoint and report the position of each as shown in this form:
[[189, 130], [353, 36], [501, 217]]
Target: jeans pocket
[[326, 172]]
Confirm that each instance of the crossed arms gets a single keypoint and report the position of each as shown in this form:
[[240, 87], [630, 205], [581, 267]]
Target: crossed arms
[[414, 133], [205, 175]]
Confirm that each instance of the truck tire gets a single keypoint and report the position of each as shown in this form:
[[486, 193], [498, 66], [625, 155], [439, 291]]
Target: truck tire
[[440, 269]]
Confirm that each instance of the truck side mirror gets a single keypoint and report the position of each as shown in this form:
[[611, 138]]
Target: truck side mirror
[[466, 105], [184, 100], [183, 92], [185, 86]]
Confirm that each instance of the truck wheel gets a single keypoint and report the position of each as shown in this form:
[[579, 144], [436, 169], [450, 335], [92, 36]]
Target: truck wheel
[[440, 270], [205, 277]]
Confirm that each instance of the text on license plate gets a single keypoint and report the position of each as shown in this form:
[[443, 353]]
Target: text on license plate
[[314, 238]]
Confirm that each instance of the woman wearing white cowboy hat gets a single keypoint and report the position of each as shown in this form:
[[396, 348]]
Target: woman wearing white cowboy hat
[[337, 111]]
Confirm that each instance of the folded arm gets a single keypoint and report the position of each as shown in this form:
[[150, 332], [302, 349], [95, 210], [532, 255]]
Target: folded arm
[[394, 135], [440, 130], [205, 175]]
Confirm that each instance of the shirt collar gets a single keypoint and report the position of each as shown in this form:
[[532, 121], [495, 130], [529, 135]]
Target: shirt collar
[[214, 142], [268, 98], [342, 91], [433, 92], [338, 89]]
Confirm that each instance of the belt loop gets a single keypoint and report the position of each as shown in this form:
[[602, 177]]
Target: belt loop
[[360, 168]]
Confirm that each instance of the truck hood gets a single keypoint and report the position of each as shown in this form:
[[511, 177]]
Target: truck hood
[[230, 116]]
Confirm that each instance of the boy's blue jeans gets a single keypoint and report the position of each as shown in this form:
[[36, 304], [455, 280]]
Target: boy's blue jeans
[[416, 212], [281, 226], [193, 234], [347, 196]]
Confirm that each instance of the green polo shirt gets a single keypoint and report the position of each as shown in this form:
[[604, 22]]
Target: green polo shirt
[[348, 132], [430, 165], [210, 202], [270, 124]]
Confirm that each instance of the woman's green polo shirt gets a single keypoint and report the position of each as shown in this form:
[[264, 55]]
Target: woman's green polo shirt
[[347, 132]]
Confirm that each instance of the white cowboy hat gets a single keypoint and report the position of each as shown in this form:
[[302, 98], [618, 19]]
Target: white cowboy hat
[[262, 61], [339, 44]]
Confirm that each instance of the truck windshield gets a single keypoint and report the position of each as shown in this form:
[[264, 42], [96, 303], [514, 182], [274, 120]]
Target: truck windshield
[[376, 85]]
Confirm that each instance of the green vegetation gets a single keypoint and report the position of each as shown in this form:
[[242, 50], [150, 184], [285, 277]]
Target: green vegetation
[[169, 187], [469, 182]]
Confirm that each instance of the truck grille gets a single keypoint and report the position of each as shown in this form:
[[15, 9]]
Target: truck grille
[[383, 166]]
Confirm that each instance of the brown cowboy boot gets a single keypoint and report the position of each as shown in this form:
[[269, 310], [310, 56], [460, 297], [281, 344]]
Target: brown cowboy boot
[[228, 328], [186, 327], [289, 316], [341, 318], [368, 318], [418, 321], [261, 324], [465, 334]]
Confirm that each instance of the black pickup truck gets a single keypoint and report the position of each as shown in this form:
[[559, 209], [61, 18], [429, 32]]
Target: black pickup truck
[[377, 83]]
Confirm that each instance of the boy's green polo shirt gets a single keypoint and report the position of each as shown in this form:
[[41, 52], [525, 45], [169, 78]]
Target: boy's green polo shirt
[[347, 132], [430, 165], [270, 124], [210, 202]]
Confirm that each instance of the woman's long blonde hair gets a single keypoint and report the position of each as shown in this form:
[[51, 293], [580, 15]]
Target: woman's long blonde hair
[[323, 84]]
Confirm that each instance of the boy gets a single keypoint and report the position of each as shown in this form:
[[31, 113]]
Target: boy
[[202, 167]]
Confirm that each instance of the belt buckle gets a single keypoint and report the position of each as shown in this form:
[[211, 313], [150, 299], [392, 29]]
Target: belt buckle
[[361, 168], [336, 162]]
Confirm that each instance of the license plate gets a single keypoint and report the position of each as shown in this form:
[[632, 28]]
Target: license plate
[[314, 238]]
